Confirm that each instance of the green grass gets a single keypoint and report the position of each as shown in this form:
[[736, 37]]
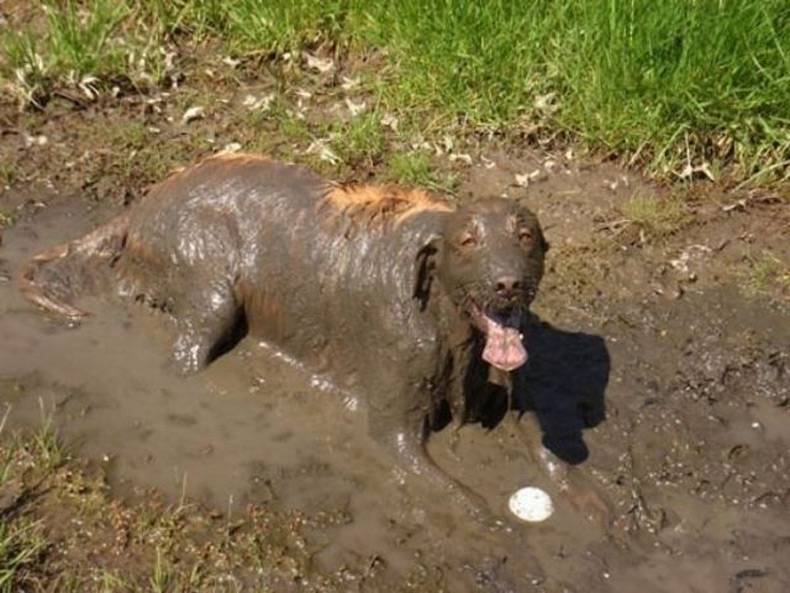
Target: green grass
[[48, 449], [657, 82], [87, 45], [6, 219], [80, 42], [766, 272], [414, 168], [411, 168], [162, 574], [661, 84], [360, 141], [656, 216], [20, 545], [8, 174]]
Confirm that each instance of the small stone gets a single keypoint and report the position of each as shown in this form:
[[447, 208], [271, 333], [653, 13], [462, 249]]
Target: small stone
[[531, 504], [230, 148], [193, 113], [538, 175], [460, 157], [487, 162], [38, 140]]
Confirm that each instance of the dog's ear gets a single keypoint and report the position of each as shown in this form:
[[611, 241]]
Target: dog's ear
[[424, 267], [541, 237], [543, 243]]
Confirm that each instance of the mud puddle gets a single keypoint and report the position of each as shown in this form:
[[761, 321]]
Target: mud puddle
[[253, 428], [692, 453]]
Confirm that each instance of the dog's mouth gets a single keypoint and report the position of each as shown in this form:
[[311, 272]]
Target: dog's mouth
[[504, 347]]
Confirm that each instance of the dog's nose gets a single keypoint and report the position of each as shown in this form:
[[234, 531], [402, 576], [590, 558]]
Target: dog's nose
[[507, 285]]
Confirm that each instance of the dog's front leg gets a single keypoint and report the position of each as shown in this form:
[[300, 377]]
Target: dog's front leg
[[403, 432]]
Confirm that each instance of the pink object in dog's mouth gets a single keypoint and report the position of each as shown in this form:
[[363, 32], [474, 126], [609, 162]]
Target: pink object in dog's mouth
[[504, 348]]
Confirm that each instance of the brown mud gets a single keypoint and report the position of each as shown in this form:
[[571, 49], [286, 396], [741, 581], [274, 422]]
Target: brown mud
[[692, 452], [658, 321]]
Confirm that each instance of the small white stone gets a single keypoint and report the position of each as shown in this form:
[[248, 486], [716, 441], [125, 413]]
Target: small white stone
[[522, 180], [531, 504], [230, 148], [460, 156], [39, 140], [192, 113], [487, 163]]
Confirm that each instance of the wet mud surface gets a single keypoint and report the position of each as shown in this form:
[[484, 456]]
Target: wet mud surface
[[686, 431]]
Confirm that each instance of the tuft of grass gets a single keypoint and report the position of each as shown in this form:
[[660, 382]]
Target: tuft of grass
[[360, 141], [8, 174], [109, 582], [130, 135], [414, 168], [190, 18], [270, 27], [84, 45], [48, 450], [656, 216], [29, 72], [163, 575], [6, 219], [21, 544], [77, 44], [79, 41], [291, 126], [766, 272], [292, 132], [411, 168]]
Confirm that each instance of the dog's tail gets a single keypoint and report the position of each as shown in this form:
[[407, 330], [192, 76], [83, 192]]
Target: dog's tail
[[56, 275]]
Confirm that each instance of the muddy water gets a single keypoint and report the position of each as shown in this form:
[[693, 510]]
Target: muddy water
[[693, 454]]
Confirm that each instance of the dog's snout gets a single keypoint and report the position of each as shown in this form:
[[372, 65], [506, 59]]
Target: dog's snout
[[507, 285]]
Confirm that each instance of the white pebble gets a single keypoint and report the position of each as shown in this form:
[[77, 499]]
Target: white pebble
[[531, 504]]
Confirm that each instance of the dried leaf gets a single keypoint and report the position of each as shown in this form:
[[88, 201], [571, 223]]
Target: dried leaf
[[322, 65], [355, 108]]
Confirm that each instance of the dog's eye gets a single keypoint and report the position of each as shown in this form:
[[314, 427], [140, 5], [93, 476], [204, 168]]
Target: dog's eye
[[525, 235], [467, 240]]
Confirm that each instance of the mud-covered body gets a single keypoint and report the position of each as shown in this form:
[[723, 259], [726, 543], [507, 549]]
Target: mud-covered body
[[334, 292], [401, 298]]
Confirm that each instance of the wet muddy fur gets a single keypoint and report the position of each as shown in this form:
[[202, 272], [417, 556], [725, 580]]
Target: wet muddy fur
[[415, 304]]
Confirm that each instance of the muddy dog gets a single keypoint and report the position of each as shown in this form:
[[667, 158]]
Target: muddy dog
[[407, 299]]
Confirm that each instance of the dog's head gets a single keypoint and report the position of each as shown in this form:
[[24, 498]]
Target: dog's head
[[489, 261]]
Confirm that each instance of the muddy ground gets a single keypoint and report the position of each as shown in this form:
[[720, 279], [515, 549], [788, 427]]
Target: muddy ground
[[665, 307]]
